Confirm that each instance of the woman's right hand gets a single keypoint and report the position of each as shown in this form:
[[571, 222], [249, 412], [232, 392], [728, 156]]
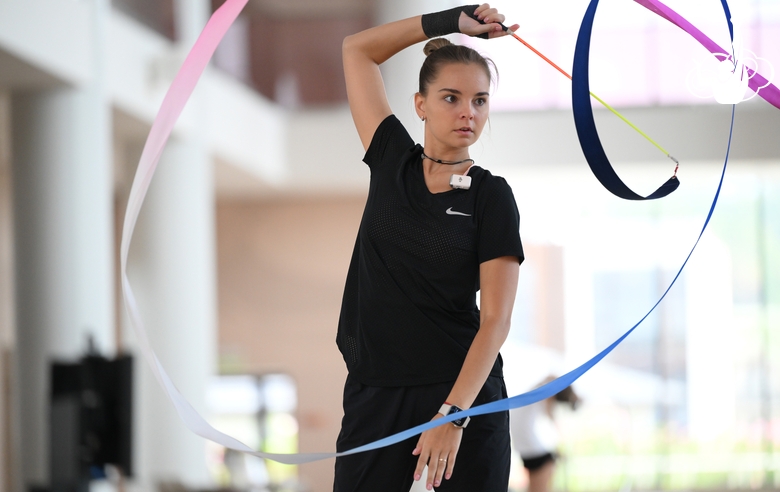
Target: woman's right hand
[[489, 22]]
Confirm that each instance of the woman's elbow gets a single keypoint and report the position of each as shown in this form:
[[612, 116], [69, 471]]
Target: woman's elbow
[[498, 326], [348, 45]]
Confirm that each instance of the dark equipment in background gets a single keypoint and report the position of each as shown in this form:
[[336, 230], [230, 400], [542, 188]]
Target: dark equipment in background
[[90, 420]]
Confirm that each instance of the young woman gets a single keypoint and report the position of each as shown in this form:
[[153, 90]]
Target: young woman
[[434, 231]]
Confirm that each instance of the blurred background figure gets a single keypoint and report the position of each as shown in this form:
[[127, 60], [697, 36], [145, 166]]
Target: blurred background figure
[[536, 437]]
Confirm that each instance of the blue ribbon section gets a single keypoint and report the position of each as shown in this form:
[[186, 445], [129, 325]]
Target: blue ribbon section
[[727, 11], [586, 126]]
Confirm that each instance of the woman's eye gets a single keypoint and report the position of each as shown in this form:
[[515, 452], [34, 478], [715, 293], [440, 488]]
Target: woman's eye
[[480, 101], [449, 98]]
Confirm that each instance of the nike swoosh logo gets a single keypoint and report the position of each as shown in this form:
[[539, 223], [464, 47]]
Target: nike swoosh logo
[[450, 211]]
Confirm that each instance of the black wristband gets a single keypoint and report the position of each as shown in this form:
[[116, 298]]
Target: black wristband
[[446, 22]]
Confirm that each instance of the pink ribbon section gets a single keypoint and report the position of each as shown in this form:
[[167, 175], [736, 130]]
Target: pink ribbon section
[[175, 99], [757, 84]]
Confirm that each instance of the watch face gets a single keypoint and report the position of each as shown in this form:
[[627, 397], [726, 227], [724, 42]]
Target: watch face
[[458, 422]]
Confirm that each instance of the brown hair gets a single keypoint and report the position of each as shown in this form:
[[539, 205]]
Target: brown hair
[[440, 52]]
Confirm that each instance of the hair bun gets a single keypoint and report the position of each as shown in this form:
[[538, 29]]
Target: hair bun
[[434, 44]]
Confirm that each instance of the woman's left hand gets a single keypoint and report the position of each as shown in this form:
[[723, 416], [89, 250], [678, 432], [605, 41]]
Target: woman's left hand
[[489, 20], [437, 448]]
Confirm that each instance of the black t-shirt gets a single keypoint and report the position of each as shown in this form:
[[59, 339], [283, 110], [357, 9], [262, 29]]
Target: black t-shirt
[[409, 311]]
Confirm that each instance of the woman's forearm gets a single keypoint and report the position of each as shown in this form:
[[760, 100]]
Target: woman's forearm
[[499, 285], [380, 43], [479, 362]]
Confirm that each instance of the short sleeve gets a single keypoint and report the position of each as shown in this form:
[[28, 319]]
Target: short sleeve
[[499, 228], [388, 144]]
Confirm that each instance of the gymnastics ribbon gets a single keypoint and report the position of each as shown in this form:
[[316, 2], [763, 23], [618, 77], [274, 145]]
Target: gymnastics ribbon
[[170, 109]]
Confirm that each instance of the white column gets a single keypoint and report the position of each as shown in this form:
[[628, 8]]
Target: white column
[[7, 469], [64, 251], [191, 17], [63, 198], [401, 73], [172, 266]]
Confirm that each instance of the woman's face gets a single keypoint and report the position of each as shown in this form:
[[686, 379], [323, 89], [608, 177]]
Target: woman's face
[[456, 106]]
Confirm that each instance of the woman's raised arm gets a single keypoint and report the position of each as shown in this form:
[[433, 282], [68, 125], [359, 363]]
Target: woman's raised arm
[[363, 53]]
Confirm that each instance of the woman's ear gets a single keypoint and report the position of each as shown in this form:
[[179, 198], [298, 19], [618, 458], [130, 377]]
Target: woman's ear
[[419, 105]]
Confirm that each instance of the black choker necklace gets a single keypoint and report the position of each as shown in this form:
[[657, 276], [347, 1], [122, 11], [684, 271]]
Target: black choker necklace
[[449, 163]]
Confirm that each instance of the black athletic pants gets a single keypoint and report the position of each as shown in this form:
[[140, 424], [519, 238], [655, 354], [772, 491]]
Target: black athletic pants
[[371, 413]]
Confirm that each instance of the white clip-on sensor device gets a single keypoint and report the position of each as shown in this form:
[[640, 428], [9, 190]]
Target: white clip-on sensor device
[[461, 181]]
